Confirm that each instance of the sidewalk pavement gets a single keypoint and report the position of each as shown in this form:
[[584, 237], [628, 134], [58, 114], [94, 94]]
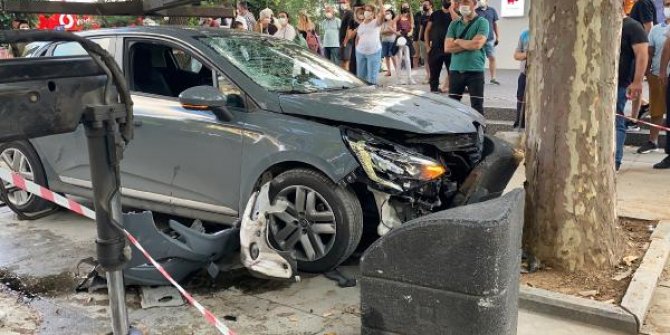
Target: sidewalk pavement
[[503, 95], [499, 96], [42, 251]]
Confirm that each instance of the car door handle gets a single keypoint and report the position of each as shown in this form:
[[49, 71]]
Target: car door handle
[[137, 123]]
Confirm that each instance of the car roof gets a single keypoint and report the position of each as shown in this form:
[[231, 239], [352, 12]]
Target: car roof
[[171, 31]]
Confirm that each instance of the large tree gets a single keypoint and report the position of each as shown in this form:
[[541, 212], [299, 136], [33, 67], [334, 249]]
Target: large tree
[[571, 221]]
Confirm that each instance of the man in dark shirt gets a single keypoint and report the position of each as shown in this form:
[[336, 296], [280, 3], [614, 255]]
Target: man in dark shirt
[[346, 49], [632, 66], [435, 34], [644, 11]]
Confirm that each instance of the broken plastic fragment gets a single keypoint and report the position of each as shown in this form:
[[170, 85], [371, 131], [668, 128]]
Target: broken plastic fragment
[[256, 253]]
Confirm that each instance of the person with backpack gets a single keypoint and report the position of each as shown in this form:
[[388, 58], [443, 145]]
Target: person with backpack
[[466, 38], [286, 30]]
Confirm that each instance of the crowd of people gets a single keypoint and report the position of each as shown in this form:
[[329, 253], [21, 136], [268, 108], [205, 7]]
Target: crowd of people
[[645, 53], [372, 38]]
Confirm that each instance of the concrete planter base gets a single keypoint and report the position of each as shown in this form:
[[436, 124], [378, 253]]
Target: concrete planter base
[[635, 304]]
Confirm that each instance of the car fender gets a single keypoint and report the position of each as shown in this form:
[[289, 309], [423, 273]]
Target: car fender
[[279, 140]]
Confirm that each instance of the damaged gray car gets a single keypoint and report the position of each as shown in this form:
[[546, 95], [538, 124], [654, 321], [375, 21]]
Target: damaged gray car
[[219, 113]]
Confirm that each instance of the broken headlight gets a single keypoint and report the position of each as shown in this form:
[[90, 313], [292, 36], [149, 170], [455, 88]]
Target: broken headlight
[[391, 165]]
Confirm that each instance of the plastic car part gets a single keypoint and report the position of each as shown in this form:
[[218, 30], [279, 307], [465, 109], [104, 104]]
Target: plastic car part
[[256, 252], [181, 255]]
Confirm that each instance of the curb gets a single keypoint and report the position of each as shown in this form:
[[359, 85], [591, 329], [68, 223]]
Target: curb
[[634, 306], [637, 299], [579, 309]]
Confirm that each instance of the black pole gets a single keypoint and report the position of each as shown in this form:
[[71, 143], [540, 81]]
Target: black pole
[[105, 146]]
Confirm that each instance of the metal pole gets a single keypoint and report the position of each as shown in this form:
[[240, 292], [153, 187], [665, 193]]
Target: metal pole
[[105, 147]]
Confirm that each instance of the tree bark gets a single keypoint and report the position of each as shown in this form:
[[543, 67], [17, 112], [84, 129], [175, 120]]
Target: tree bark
[[571, 220]]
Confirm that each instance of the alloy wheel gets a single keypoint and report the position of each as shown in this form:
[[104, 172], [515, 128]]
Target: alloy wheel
[[307, 227], [16, 161]]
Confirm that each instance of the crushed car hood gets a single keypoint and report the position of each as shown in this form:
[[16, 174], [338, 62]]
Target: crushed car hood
[[390, 107]]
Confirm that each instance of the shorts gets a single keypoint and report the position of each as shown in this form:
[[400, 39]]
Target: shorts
[[387, 49], [657, 98], [490, 49], [346, 51], [422, 51]]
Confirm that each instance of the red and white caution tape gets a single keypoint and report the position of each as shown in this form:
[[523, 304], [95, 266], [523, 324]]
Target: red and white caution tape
[[44, 193], [644, 122]]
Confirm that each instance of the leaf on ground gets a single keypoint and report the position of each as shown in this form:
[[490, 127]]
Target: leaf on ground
[[622, 275], [630, 259], [589, 293]]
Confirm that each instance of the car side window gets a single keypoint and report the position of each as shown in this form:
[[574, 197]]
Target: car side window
[[166, 70], [75, 49]]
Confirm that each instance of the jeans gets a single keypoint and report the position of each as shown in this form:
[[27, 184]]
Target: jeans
[[367, 66], [520, 102], [474, 81], [332, 54], [621, 100], [436, 58]]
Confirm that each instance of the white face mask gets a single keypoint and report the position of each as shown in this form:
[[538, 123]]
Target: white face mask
[[388, 16], [367, 15], [329, 15], [666, 12], [465, 10], [282, 21]]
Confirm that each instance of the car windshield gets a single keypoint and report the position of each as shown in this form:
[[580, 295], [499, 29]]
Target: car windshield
[[281, 66]]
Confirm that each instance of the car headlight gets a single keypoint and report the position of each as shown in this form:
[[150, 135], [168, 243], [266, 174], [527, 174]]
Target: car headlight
[[392, 165]]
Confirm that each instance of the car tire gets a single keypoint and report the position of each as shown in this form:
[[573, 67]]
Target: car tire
[[31, 163], [345, 209]]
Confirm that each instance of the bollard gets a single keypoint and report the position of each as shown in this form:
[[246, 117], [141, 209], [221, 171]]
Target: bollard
[[451, 272]]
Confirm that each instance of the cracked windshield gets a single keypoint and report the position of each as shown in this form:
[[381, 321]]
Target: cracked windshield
[[281, 66]]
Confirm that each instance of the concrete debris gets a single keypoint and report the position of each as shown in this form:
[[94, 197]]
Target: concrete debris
[[160, 296]]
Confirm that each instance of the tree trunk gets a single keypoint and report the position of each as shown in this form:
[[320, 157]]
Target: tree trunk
[[570, 206]]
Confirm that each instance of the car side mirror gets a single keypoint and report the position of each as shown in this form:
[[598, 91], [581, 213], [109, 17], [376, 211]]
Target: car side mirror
[[206, 98]]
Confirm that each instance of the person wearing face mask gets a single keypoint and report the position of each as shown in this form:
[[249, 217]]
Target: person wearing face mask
[[421, 57], [265, 24], [436, 32], [491, 15], [466, 38], [347, 16], [657, 103], [368, 43], [243, 11], [17, 49], [405, 27], [285, 29], [329, 29], [389, 35]]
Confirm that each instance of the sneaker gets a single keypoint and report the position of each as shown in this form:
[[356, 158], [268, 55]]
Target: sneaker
[[494, 82], [644, 109], [664, 164], [633, 127], [647, 148]]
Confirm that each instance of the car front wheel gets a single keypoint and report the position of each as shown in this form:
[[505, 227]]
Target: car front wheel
[[322, 224]]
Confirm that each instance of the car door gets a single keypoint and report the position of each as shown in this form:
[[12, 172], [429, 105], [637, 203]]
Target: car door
[[67, 154], [187, 158]]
